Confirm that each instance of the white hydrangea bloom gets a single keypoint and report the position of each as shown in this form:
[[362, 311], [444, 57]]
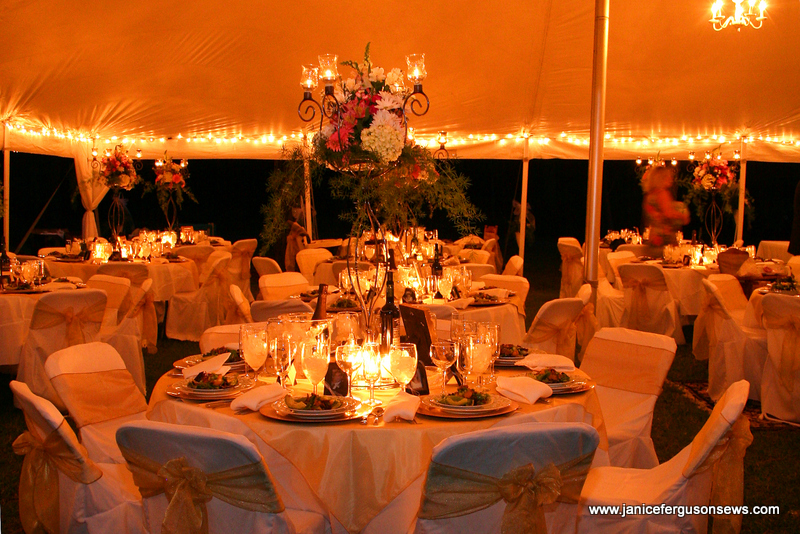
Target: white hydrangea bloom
[[394, 76], [386, 118], [389, 101], [384, 140], [377, 75]]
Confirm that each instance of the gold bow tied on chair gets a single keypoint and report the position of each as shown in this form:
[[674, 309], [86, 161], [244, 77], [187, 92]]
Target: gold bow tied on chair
[[705, 328], [188, 489], [587, 326], [47, 316], [640, 308], [453, 492], [146, 306], [790, 351], [563, 334], [38, 484]]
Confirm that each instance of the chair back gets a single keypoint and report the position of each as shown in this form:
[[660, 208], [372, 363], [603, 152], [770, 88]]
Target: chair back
[[242, 305], [496, 256], [49, 250], [239, 268], [730, 291], [648, 304], [265, 265], [307, 260], [197, 253], [338, 266], [780, 386], [214, 288], [519, 285], [471, 255], [137, 273], [479, 269], [731, 259], [515, 265], [211, 262], [470, 240], [242, 489], [464, 477], [615, 259], [571, 266], [118, 291], [490, 232], [261, 310], [585, 293], [638, 250], [793, 263], [282, 286], [553, 329], [60, 319]]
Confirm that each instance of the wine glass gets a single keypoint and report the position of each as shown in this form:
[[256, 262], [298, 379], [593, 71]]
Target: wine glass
[[253, 342], [315, 348], [445, 284], [489, 333], [347, 328], [443, 355], [479, 356], [349, 360], [371, 365], [403, 363], [466, 280], [278, 351]]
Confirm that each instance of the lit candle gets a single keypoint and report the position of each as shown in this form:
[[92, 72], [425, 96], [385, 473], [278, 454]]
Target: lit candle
[[416, 68]]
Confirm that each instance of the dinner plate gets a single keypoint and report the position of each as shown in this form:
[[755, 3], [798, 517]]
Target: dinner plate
[[70, 260], [336, 310], [507, 362], [179, 389], [349, 405], [487, 303], [577, 388], [189, 361], [497, 402], [432, 411], [573, 382]]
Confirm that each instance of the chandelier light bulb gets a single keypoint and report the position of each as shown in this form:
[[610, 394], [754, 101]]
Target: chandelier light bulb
[[736, 155], [108, 152], [674, 162], [708, 154], [638, 160], [139, 153], [649, 161]]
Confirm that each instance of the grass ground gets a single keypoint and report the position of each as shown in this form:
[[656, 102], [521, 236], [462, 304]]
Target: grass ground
[[772, 476]]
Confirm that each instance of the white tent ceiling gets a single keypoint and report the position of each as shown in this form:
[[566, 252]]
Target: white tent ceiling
[[496, 70]]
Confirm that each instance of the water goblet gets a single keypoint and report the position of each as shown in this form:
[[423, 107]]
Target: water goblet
[[349, 361], [445, 284], [371, 366], [489, 333], [478, 357], [443, 355], [253, 344], [315, 356], [403, 363]]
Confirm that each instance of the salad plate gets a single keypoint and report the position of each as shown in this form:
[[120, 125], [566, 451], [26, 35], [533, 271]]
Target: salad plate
[[186, 389], [428, 409], [235, 361], [315, 407], [459, 402]]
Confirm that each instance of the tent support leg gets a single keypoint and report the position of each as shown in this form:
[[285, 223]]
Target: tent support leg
[[596, 139], [523, 206], [742, 185], [6, 193]]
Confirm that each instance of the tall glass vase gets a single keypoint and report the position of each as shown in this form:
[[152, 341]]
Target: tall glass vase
[[713, 218], [116, 214], [171, 212]]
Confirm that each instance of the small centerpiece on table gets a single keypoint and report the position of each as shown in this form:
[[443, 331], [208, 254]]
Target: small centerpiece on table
[[170, 187], [117, 171]]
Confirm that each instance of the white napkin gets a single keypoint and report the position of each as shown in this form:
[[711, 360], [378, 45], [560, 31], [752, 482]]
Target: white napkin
[[55, 286], [522, 389], [159, 261], [461, 304], [258, 397], [477, 285], [403, 406], [211, 365], [541, 361]]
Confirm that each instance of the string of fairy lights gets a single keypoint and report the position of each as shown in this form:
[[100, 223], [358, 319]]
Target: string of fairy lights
[[274, 140]]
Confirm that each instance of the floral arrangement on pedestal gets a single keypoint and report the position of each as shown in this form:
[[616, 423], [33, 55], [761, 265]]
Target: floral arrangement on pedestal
[[170, 187], [364, 141], [116, 171]]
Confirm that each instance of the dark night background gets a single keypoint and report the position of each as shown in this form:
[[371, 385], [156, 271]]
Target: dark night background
[[231, 193]]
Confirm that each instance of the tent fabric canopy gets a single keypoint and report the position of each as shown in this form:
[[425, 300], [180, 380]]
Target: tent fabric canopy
[[496, 70]]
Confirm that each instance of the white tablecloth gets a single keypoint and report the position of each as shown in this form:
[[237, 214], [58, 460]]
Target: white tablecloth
[[685, 284], [168, 278], [351, 469], [776, 250], [15, 318]]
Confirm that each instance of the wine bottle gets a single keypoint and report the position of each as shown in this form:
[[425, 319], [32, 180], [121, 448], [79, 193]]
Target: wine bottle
[[390, 316], [5, 264], [392, 260], [436, 271], [335, 379], [321, 311]]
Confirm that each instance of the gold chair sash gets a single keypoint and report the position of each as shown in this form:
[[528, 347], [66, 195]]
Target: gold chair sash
[[38, 483], [727, 486], [571, 274], [452, 492], [243, 258], [146, 306], [188, 489], [545, 331], [705, 328], [46, 316], [640, 309], [89, 395], [587, 326], [790, 355]]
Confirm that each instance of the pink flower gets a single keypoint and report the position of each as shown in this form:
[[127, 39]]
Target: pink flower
[[339, 140]]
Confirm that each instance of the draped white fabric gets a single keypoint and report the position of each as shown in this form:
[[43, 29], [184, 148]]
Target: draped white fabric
[[91, 192]]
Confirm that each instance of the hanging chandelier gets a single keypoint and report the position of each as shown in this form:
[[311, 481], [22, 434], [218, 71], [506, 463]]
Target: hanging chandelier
[[753, 16]]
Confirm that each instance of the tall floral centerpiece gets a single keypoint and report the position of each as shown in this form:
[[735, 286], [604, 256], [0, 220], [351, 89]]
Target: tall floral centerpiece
[[712, 189], [170, 187], [116, 171]]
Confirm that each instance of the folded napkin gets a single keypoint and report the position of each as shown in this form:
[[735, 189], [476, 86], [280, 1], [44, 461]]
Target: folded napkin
[[55, 286], [522, 389], [158, 261], [211, 365], [403, 406], [258, 397], [461, 304], [477, 285], [540, 361]]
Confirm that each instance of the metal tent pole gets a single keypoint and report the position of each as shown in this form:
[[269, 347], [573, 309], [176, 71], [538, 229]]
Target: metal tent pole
[[742, 185], [523, 208]]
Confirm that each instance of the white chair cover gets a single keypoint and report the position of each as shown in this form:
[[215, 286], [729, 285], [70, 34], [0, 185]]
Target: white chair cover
[[712, 461], [629, 368], [190, 314], [242, 314], [648, 304], [47, 250], [471, 474], [471, 239], [587, 323], [514, 267], [307, 260], [61, 489], [219, 336], [282, 286], [265, 265], [208, 266], [137, 273], [60, 319], [243, 493], [794, 266], [519, 285], [553, 329], [610, 304], [615, 259], [571, 266], [637, 250], [496, 257], [734, 352], [471, 255], [261, 310], [100, 395], [479, 269], [239, 268], [199, 254], [118, 296], [780, 385], [730, 290]]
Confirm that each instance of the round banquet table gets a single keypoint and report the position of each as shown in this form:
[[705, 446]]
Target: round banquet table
[[350, 470], [168, 278]]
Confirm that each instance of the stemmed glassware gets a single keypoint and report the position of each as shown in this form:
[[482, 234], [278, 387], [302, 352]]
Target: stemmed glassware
[[444, 354], [349, 359], [445, 284], [489, 334], [253, 343], [479, 356], [403, 363], [371, 358], [278, 350], [315, 349]]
